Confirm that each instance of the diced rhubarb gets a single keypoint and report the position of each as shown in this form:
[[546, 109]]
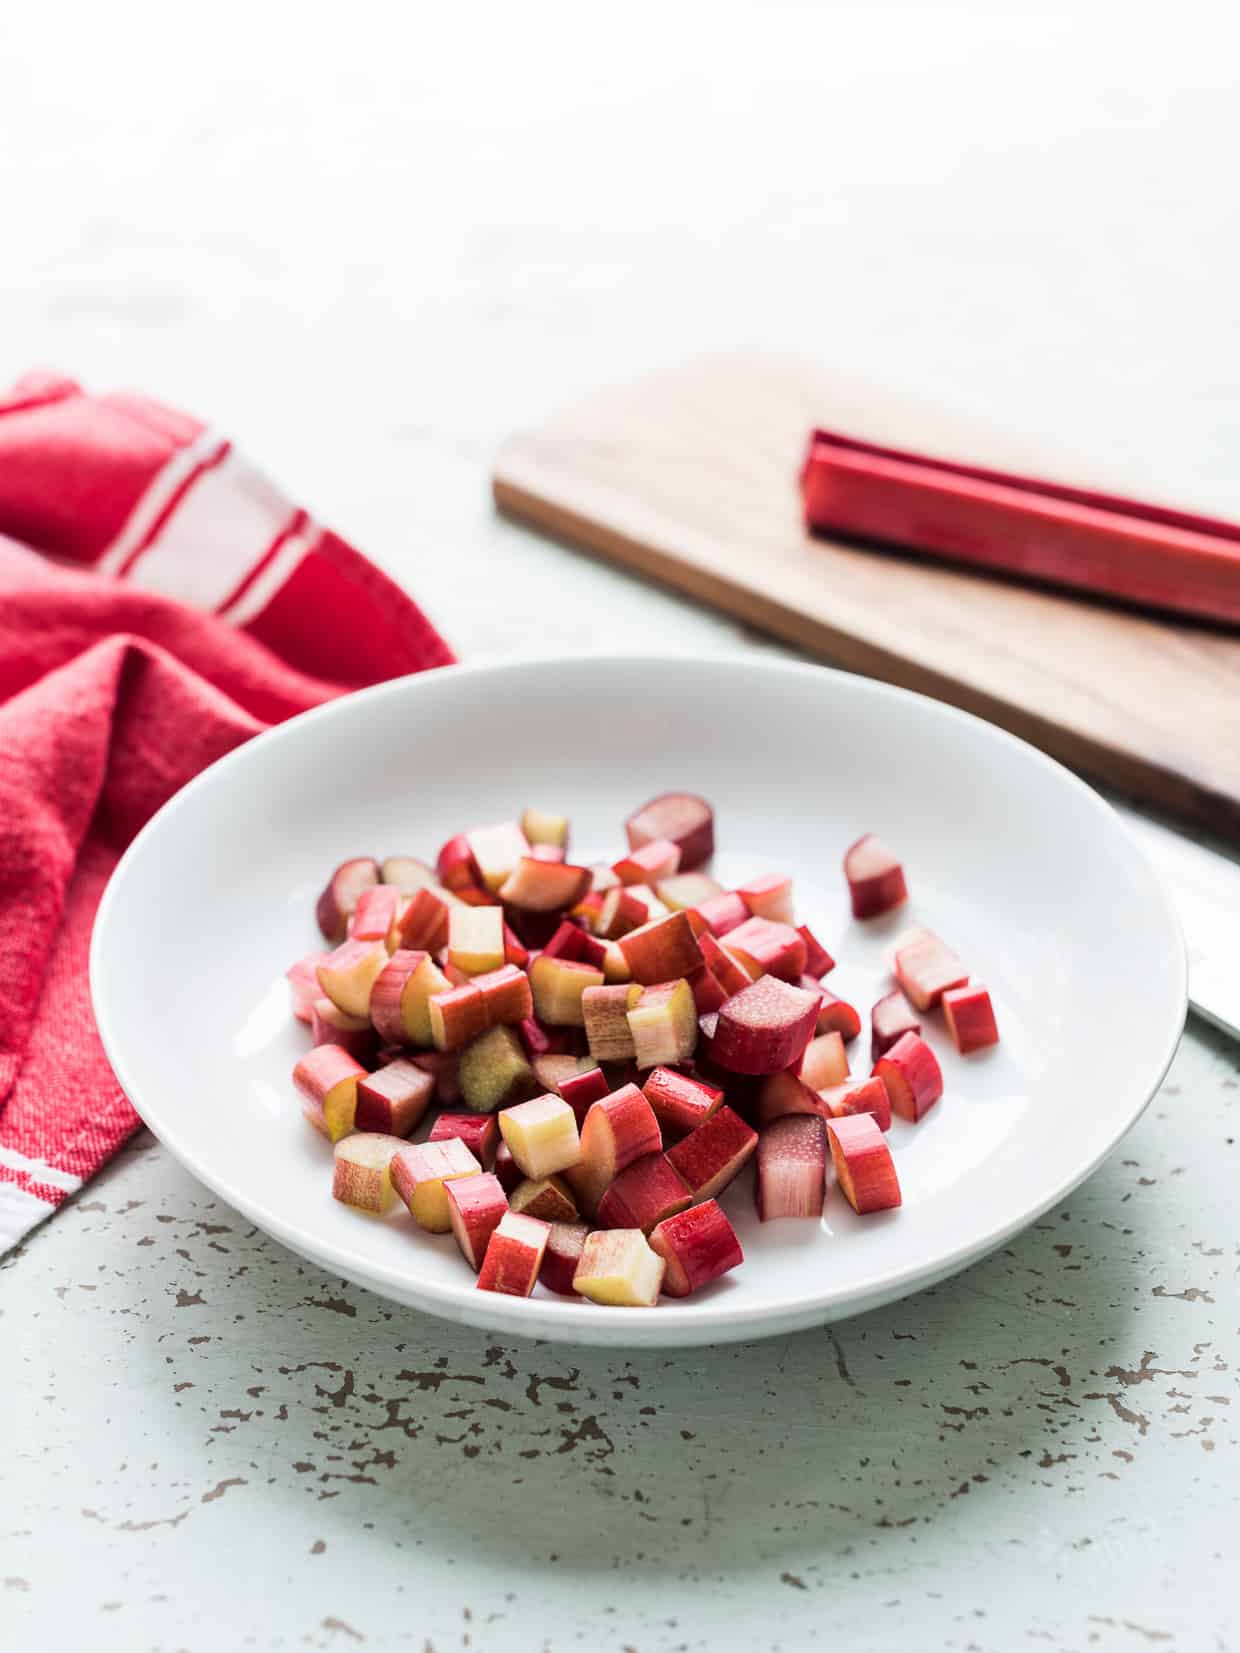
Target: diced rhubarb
[[476, 939], [970, 1018], [457, 1016], [457, 869], [541, 827], [570, 941], [329, 1025], [303, 982], [723, 913], [347, 975], [825, 1061], [581, 1090], [541, 1135], [506, 995], [476, 1207], [688, 821], [360, 1175], [655, 860], [375, 914], [400, 998], [542, 1041], [548, 1198], [423, 923], [680, 1104], [890, 1019], [419, 1172], [515, 952], [478, 1131], [494, 1072], [618, 1267], [644, 1194], [618, 1130], [514, 1255], [565, 1243], [723, 965], [764, 1028], [875, 878], [863, 1164], [327, 1077], [818, 962], [338, 901], [911, 1076], [615, 965], [836, 1016], [619, 913], [685, 890], [859, 1095], [538, 886], [606, 1014], [792, 1168], [558, 985], [664, 1025], [496, 851], [770, 896], [547, 852], [553, 1069], [708, 1158], [394, 1099], [926, 970], [697, 1246], [766, 947], [662, 950]]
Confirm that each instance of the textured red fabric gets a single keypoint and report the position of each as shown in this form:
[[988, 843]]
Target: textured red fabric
[[111, 699]]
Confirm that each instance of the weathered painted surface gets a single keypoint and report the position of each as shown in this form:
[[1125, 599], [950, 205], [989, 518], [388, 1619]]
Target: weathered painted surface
[[367, 249], [213, 1445]]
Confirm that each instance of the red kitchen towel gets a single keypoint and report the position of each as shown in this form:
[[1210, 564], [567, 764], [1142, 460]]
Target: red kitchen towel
[[204, 607]]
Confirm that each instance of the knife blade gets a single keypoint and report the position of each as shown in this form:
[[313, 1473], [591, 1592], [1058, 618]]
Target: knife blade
[[1205, 888]]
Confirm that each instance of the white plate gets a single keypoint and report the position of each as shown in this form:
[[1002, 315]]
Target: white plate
[[1024, 869]]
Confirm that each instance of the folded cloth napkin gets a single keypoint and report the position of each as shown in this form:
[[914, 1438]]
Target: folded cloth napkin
[[204, 607]]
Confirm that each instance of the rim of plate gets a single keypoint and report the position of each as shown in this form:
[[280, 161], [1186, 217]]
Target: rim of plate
[[560, 1317]]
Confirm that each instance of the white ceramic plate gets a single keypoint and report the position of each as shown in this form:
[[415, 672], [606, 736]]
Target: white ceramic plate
[[1024, 869]]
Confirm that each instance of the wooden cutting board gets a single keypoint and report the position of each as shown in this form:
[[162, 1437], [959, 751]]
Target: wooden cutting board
[[689, 477]]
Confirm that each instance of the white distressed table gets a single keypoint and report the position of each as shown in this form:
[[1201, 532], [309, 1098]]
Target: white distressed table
[[368, 242]]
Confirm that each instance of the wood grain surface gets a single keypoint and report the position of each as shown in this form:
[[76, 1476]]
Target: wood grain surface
[[689, 477]]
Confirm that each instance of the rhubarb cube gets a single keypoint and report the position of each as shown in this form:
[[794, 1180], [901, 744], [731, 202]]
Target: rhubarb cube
[[478, 1131], [618, 1267], [581, 1090], [423, 922], [506, 1168], [541, 1135], [766, 947], [770, 896], [360, 1174], [476, 1207], [970, 1018], [684, 891], [708, 1158], [348, 974], [864, 1167], [303, 981], [565, 1244], [688, 821], [764, 1028], [663, 950], [836, 1015], [723, 913], [875, 878], [558, 985], [818, 962], [911, 1076], [859, 1095], [494, 1072], [697, 1246], [890, 1019], [375, 915], [496, 851], [539, 886], [407, 874], [792, 1168], [655, 860], [926, 970], [514, 1255], [643, 1194], [419, 1172], [825, 1061], [548, 1198], [506, 995], [339, 900], [393, 1100], [476, 939], [329, 1025], [664, 1025], [680, 1104], [400, 998], [618, 1130], [620, 913], [606, 1014], [327, 1077], [457, 1016], [541, 827]]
